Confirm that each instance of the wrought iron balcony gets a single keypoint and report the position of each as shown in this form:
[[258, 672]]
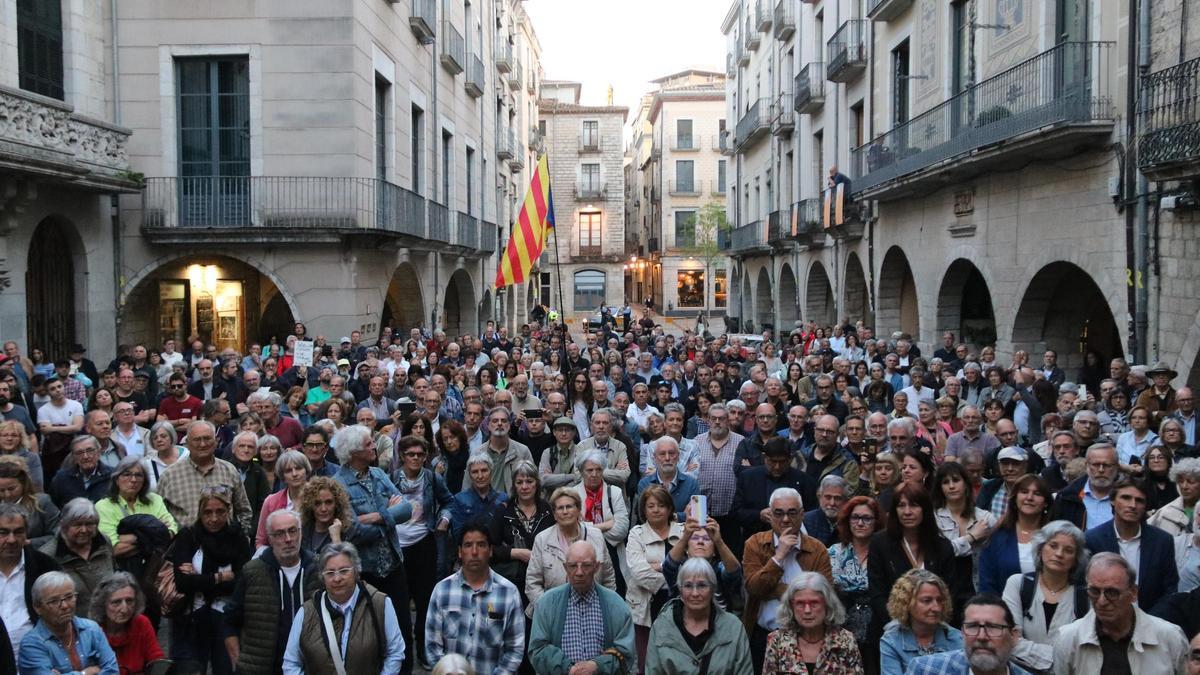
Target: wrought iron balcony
[[749, 237], [422, 19], [753, 40], [466, 231], [763, 17], [810, 231], [589, 142], [294, 209], [809, 86], [516, 77], [741, 54], [886, 10], [474, 81], [1047, 106], [778, 228], [504, 55], [785, 20], [784, 120], [589, 190], [727, 143], [518, 159], [1169, 111], [685, 143], [683, 188], [505, 146], [846, 51], [454, 49], [754, 124]]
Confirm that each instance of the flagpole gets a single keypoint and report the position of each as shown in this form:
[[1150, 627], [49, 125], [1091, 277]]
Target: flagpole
[[550, 216]]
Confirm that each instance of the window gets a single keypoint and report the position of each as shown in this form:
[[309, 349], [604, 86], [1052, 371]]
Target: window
[[960, 36], [683, 135], [689, 287], [685, 229], [214, 140], [591, 134], [590, 179], [818, 154], [721, 176], [381, 153], [720, 288], [470, 181], [447, 165], [900, 84], [589, 233], [685, 171], [40, 47], [544, 288], [589, 290], [417, 132], [856, 125]]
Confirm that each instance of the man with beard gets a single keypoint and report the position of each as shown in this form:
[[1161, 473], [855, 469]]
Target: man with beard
[[1087, 502], [821, 522], [989, 636]]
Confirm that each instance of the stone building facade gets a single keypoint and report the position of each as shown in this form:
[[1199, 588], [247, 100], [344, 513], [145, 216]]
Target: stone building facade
[[582, 265], [987, 147]]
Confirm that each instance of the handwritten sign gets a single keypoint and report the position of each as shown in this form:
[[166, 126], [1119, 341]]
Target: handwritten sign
[[303, 354]]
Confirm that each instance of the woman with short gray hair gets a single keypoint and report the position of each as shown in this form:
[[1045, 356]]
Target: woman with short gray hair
[[129, 494], [810, 618], [42, 649], [80, 549], [1174, 518], [693, 628], [294, 468], [164, 441], [117, 605]]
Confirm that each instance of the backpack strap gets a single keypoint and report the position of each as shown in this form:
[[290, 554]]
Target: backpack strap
[[1082, 603], [1028, 588]]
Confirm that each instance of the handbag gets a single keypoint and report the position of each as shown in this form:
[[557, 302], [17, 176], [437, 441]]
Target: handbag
[[169, 598]]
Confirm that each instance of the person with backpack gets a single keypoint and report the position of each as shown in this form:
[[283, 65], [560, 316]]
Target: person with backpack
[[1051, 596]]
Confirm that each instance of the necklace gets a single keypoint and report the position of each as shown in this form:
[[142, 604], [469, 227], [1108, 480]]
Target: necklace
[[811, 642], [1052, 594]]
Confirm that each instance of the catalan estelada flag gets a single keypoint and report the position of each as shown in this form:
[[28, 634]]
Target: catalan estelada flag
[[531, 231]]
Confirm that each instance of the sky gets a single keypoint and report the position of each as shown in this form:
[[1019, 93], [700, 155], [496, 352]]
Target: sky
[[626, 43]]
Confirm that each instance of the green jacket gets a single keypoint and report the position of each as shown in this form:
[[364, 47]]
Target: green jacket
[[547, 656], [727, 650], [254, 612]]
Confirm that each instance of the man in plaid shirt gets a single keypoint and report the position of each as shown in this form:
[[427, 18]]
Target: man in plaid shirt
[[476, 613]]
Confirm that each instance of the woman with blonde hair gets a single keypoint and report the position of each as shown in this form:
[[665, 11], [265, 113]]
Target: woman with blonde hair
[[920, 607], [14, 442], [16, 487], [325, 514]]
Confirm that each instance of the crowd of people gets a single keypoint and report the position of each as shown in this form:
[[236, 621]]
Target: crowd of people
[[596, 501]]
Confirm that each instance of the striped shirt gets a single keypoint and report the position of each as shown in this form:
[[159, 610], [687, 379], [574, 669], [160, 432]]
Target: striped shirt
[[717, 479], [487, 625]]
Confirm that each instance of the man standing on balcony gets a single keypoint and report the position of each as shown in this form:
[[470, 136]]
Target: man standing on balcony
[[837, 178]]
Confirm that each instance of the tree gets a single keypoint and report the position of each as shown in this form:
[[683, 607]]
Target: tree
[[712, 226]]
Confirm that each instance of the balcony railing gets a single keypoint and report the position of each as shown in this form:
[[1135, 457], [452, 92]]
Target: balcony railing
[[590, 250], [846, 51], [504, 55], [741, 54], [730, 65], [1062, 89], [301, 206], [810, 88], [518, 159], [685, 143], [505, 147], [810, 231], [1169, 111], [422, 19], [754, 124], [515, 78], [454, 49], [784, 120], [439, 222], [753, 40], [474, 81], [487, 237], [531, 82], [684, 188], [762, 15], [588, 190], [589, 142], [886, 10], [777, 232], [785, 20], [728, 147], [748, 237]]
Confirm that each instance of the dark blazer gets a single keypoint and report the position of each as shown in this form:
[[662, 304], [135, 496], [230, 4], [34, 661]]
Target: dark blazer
[[817, 525], [197, 389], [753, 493], [36, 564], [998, 561], [68, 484], [1068, 504], [1180, 609], [886, 562], [1157, 574]]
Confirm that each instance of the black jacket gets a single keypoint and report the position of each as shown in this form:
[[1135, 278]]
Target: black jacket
[[753, 494], [68, 484], [36, 564], [1068, 504], [1180, 609], [887, 562]]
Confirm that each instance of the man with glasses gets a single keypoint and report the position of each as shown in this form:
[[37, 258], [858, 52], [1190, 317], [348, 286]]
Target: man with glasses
[[1087, 502], [269, 592], [1086, 425], [83, 475], [989, 638], [772, 561], [62, 640], [973, 435], [1117, 636], [504, 452], [828, 458], [181, 484], [20, 565], [716, 451], [749, 451], [1062, 451], [178, 407], [1185, 412], [128, 433]]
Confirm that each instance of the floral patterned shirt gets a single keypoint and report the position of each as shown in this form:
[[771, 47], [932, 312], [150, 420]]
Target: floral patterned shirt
[[839, 655]]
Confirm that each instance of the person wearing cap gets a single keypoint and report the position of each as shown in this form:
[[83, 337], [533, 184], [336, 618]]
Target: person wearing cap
[[557, 466], [1159, 397], [993, 495]]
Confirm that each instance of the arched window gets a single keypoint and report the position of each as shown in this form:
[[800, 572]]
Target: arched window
[[589, 290]]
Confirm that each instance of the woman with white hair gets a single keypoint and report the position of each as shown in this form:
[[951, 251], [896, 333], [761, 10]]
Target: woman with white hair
[[243, 450], [80, 549], [693, 629], [62, 642], [1174, 518], [293, 467], [810, 637], [118, 605], [603, 506], [164, 441], [478, 501]]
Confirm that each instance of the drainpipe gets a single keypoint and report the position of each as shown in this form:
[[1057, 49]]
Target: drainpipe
[[1141, 229], [435, 143], [114, 199]]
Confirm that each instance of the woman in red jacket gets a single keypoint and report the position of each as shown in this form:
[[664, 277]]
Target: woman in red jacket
[[117, 605]]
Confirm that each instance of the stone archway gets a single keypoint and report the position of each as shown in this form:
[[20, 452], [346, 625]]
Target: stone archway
[[764, 304], [856, 294], [404, 304], [964, 305], [745, 299], [1064, 309], [897, 309], [459, 309], [789, 300], [818, 296]]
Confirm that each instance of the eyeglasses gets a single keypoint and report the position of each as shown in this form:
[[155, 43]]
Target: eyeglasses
[[319, 444], [84, 452], [790, 513], [695, 586], [565, 507], [992, 630], [133, 474], [862, 519], [61, 600], [415, 455], [1110, 594], [1194, 657], [338, 573], [290, 532]]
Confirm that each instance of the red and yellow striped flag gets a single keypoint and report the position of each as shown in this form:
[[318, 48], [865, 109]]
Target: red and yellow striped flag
[[531, 231]]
